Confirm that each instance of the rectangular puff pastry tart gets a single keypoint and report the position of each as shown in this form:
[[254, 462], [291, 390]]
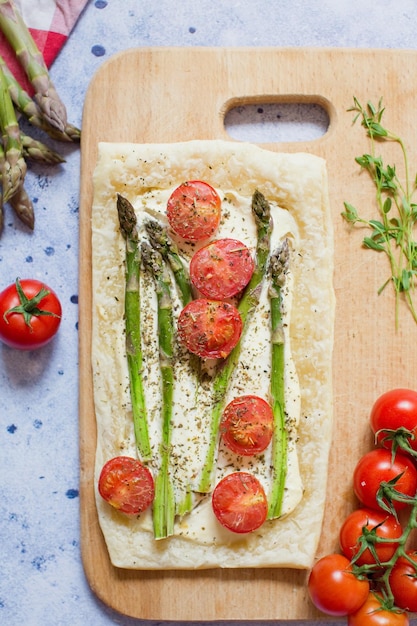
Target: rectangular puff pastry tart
[[211, 354]]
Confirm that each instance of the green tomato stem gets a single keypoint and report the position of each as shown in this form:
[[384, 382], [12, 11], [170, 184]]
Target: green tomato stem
[[29, 307]]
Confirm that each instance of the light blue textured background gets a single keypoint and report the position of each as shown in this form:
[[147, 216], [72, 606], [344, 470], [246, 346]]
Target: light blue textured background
[[41, 577]]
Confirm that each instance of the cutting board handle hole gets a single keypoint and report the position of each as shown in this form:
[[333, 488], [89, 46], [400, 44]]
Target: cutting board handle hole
[[282, 122]]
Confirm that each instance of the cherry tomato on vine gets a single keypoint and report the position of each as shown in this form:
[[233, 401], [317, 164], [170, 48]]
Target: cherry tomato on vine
[[377, 523], [194, 210], [377, 466], [333, 587], [126, 484], [222, 268], [403, 582], [247, 425], [372, 613], [239, 502], [209, 328], [30, 314], [392, 410]]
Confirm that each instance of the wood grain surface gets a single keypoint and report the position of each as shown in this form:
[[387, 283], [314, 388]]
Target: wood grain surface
[[167, 95]]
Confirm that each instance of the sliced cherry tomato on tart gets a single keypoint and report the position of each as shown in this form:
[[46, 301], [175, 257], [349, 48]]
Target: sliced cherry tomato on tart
[[127, 485], [222, 268], [247, 425], [194, 210], [209, 328], [239, 502]]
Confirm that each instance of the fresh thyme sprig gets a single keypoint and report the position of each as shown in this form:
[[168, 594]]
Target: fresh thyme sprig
[[394, 232]]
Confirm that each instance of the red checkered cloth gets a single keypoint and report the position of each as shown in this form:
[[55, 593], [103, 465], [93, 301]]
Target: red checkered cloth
[[50, 22]]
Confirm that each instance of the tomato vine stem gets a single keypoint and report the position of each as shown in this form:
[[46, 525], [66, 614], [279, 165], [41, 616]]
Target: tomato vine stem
[[380, 572]]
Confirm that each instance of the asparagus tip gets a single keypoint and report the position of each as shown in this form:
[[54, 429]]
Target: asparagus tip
[[127, 217]]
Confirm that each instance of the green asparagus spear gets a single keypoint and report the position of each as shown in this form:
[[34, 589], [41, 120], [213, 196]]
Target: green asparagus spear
[[2, 161], [14, 166], [20, 201], [38, 151], [24, 103], [247, 305], [31, 59], [164, 502], [1, 215], [162, 242], [278, 270], [128, 227], [23, 207]]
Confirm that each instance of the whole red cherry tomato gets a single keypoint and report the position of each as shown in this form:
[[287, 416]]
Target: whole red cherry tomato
[[376, 523], [373, 613], [393, 410], [403, 581], [333, 587], [30, 314], [377, 466]]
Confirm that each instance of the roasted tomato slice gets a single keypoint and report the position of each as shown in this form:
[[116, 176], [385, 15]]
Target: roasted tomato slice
[[222, 268], [209, 328], [247, 425], [239, 502], [126, 484], [194, 210]]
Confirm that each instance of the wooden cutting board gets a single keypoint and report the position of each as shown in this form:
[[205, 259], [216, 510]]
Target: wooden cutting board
[[167, 95]]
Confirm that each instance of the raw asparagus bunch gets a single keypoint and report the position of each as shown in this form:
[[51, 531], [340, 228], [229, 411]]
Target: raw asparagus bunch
[[128, 228], [278, 267], [32, 149], [247, 305], [19, 37], [164, 502], [25, 105], [45, 110]]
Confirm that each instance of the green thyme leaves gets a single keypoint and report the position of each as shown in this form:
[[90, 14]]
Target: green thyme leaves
[[393, 232]]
